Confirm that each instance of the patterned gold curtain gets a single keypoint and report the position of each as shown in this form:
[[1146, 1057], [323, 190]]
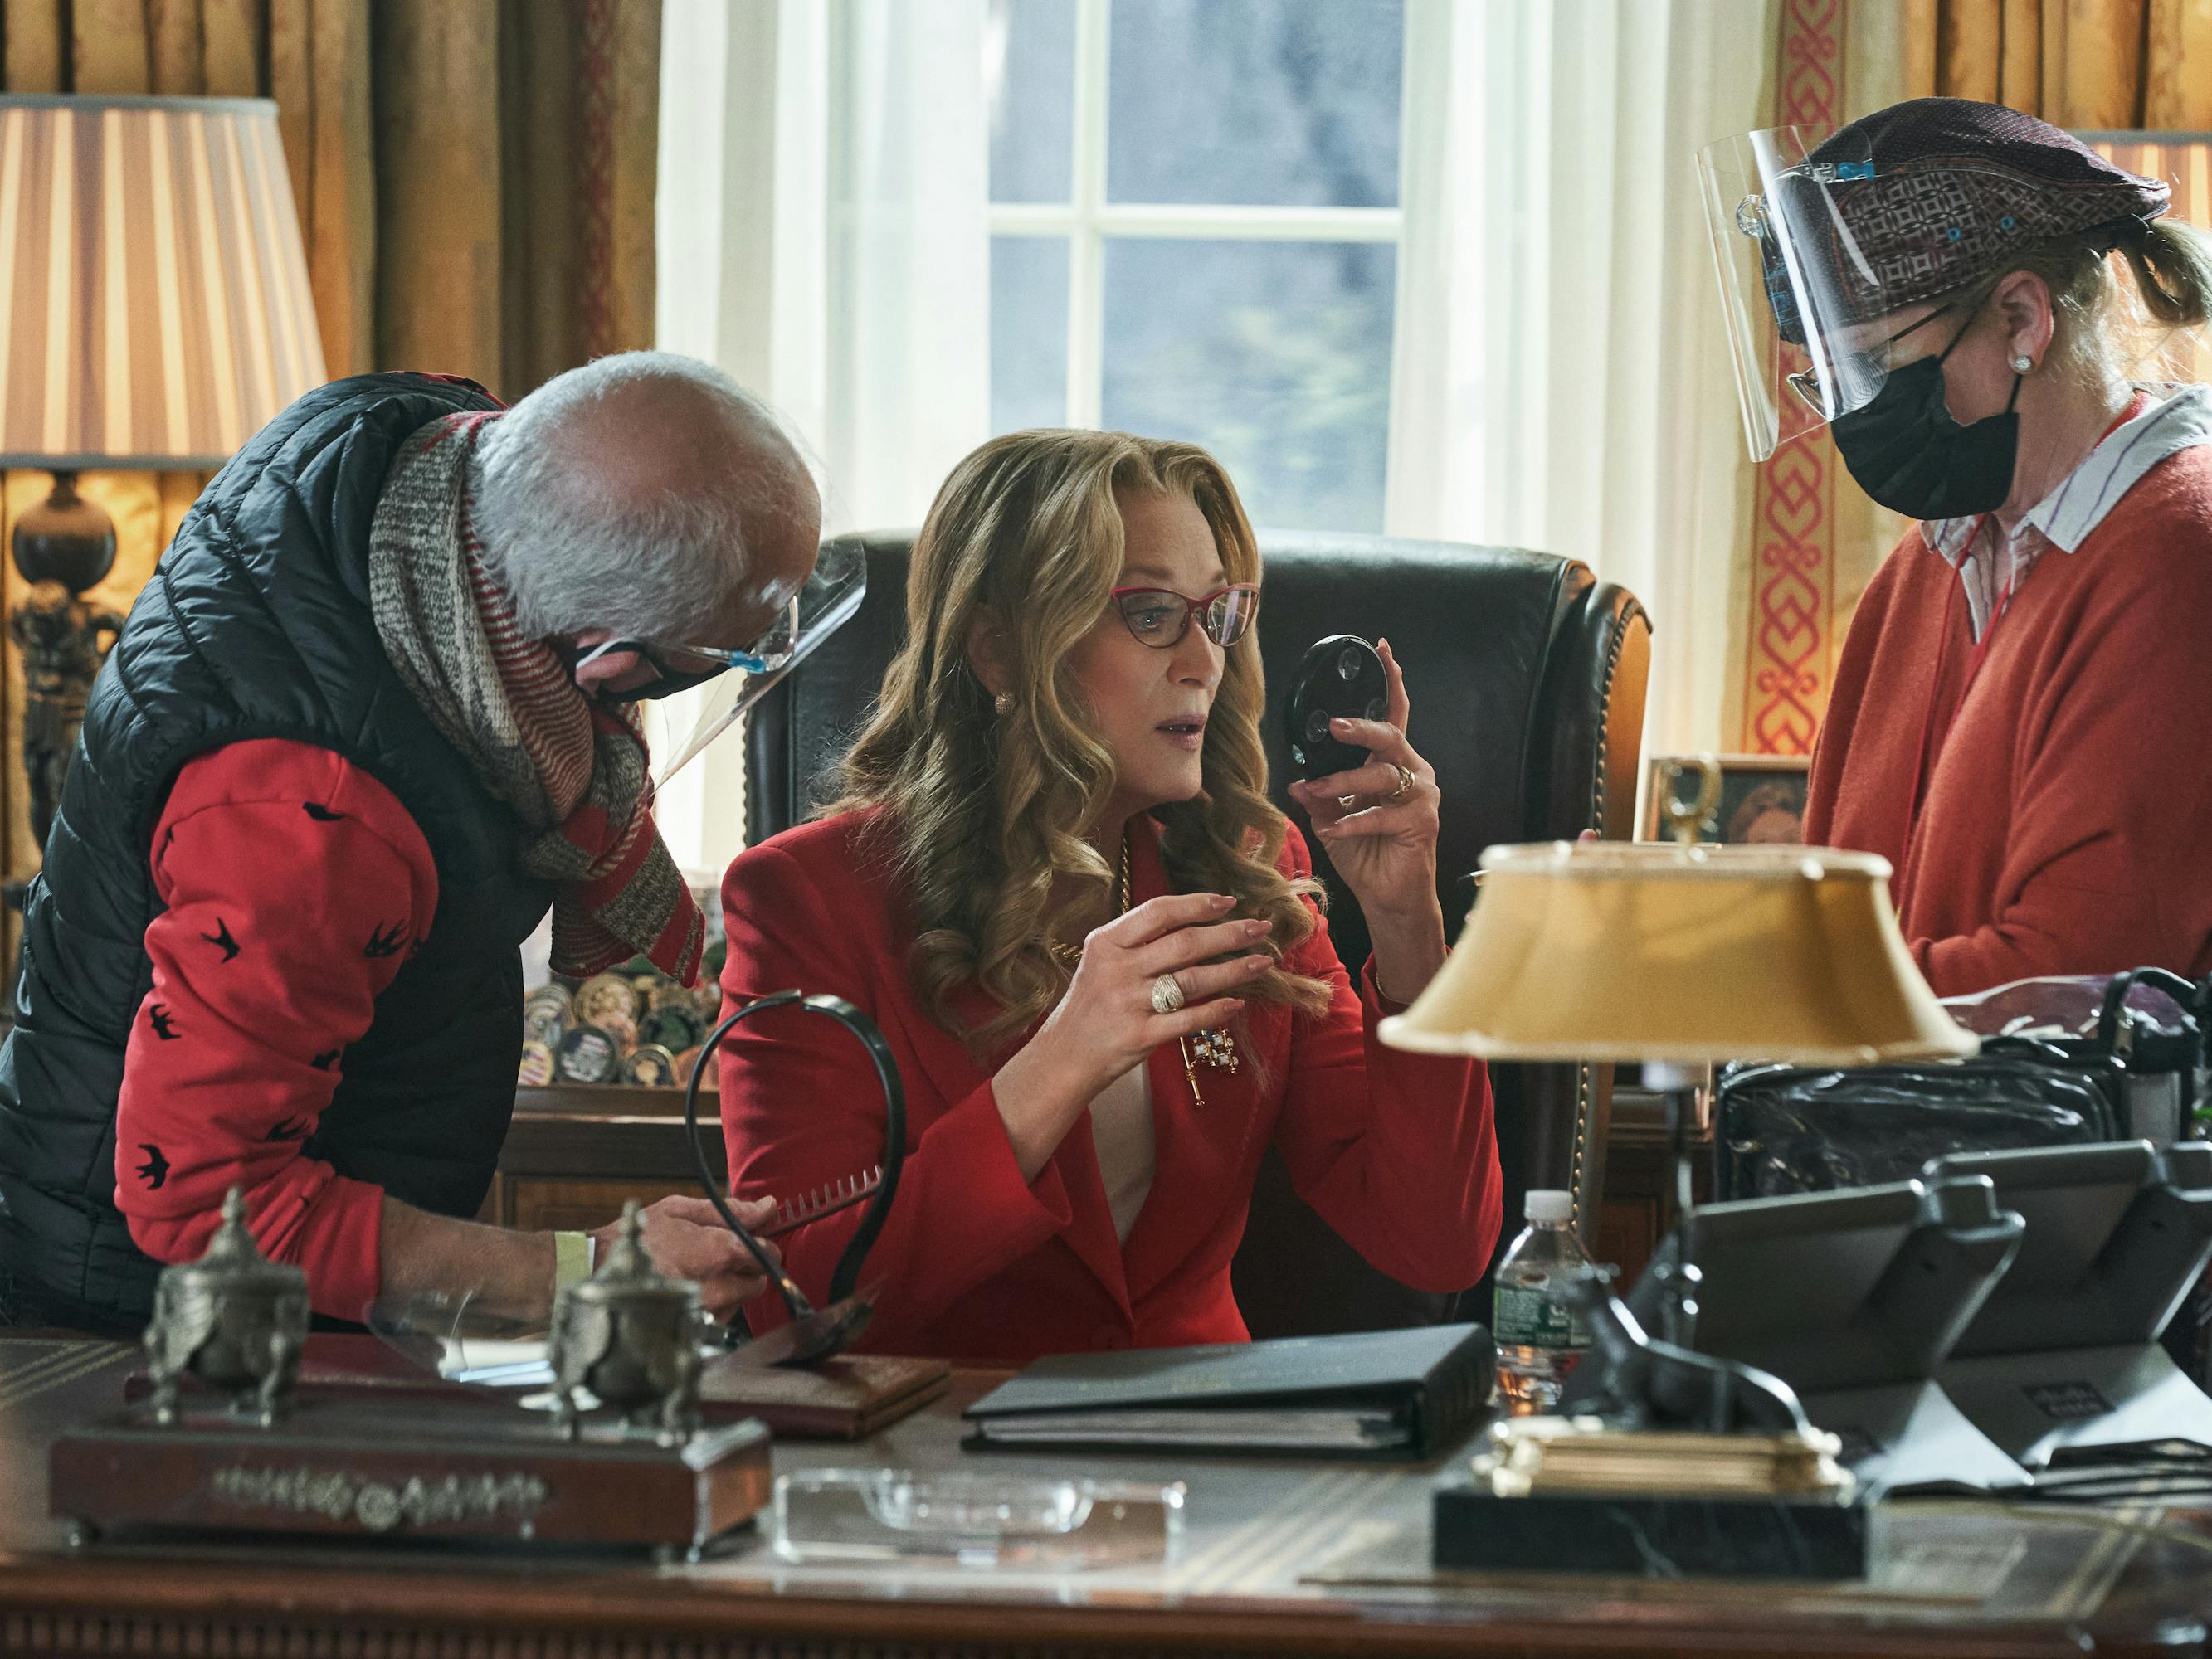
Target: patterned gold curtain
[[475, 184], [2087, 64], [2083, 63]]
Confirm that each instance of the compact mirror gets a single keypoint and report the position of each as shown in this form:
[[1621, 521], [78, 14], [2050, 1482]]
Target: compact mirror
[[1340, 677]]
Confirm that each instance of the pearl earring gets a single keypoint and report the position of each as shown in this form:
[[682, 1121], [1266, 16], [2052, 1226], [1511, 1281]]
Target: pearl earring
[[2022, 364]]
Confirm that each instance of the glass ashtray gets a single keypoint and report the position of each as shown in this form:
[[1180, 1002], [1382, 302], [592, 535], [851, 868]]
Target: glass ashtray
[[975, 1520]]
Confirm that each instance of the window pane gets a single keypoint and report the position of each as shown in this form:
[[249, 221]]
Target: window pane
[[1029, 332], [1276, 356], [1259, 102], [1029, 74]]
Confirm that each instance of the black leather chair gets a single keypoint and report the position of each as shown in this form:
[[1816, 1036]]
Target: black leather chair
[[1526, 678]]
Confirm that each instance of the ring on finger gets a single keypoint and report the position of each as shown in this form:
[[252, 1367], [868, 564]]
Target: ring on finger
[[1405, 781], [1167, 994]]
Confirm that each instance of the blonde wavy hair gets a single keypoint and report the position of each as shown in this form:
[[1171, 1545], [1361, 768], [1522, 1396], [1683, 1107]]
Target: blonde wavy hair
[[980, 814]]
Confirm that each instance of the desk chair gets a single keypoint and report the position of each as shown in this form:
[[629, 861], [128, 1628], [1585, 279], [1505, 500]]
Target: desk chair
[[1527, 677]]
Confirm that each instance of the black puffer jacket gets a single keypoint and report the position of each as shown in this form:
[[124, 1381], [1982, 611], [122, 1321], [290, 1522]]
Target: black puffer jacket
[[256, 625]]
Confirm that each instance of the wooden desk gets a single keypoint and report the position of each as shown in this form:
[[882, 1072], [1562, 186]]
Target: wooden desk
[[1273, 1548]]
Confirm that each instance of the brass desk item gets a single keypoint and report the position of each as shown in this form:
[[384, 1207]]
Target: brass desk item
[[1520, 1455], [1577, 1495]]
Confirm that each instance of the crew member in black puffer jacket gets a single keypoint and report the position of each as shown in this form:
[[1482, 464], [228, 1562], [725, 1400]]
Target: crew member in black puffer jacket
[[372, 716]]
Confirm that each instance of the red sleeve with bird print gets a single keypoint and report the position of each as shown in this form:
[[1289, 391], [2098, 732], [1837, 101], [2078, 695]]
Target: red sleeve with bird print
[[296, 884]]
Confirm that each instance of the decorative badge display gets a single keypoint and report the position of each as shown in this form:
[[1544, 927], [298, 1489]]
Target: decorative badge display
[[624, 1026], [588, 1054], [673, 1025], [650, 1065], [536, 1070], [604, 995]]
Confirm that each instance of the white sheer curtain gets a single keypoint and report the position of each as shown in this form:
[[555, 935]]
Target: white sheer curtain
[[824, 235], [1560, 381]]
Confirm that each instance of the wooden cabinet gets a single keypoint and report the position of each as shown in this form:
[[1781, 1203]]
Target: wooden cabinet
[[575, 1151]]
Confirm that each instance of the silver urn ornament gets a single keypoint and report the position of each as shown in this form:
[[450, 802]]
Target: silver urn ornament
[[234, 1319], [629, 1336]]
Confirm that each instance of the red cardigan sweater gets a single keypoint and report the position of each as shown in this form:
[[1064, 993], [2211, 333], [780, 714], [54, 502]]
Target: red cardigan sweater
[[1394, 1150], [2067, 793]]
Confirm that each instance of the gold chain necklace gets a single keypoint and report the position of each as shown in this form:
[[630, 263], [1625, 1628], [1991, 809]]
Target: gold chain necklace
[[1216, 1048]]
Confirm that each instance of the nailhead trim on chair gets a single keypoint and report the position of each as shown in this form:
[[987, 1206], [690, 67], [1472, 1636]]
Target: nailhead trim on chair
[[1585, 1074]]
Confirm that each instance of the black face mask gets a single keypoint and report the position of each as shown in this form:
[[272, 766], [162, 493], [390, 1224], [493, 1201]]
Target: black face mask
[[666, 686], [1907, 452], [667, 681]]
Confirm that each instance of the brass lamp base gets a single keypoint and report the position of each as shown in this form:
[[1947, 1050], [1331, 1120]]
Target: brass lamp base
[[63, 546], [65, 539]]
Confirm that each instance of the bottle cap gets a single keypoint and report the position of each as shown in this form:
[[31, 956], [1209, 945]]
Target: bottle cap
[[1548, 1205]]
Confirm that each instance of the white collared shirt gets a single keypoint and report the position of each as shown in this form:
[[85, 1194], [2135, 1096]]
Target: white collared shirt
[[1991, 564]]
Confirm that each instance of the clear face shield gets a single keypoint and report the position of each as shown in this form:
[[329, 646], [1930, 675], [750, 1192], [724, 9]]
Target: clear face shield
[[1804, 309], [832, 594], [731, 680]]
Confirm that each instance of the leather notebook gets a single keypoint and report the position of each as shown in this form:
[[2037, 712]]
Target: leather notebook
[[845, 1398], [1407, 1394]]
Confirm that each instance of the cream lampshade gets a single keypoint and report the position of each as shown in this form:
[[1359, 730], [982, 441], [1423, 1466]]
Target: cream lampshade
[[1683, 954], [155, 312], [1680, 956], [1692, 955], [154, 309]]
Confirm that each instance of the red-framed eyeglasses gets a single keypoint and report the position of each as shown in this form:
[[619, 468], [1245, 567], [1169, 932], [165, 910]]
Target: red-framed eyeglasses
[[1159, 617]]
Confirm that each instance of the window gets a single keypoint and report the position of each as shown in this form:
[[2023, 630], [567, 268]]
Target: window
[[1194, 219]]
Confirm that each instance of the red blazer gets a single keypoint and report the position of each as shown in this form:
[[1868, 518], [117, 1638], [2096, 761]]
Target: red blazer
[[1396, 1151]]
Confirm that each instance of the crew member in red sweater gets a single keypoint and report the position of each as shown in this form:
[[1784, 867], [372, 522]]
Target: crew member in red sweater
[[2019, 712]]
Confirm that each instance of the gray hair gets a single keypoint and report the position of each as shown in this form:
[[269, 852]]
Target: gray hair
[[577, 542]]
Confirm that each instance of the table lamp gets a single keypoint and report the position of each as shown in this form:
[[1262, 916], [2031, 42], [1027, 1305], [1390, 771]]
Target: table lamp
[[1681, 956], [155, 313]]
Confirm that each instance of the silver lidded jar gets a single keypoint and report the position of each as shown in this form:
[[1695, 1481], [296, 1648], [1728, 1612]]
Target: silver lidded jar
[[629, 1336], [234, 1319]]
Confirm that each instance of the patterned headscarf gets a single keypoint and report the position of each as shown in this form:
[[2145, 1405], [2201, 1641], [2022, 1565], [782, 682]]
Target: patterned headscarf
[[573, 769], [1957, 189]]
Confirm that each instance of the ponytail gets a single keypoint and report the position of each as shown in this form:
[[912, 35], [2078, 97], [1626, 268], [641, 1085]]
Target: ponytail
[[2172, 266]]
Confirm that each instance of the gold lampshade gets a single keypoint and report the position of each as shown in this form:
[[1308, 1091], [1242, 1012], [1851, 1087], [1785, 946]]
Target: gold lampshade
[[154, 309], [1693, 955]]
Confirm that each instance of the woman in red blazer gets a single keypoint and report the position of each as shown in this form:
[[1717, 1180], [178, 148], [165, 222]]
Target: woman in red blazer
[[1056, 883]]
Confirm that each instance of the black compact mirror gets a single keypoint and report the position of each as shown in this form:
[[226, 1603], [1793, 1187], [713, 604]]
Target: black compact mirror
[[1340, 677]]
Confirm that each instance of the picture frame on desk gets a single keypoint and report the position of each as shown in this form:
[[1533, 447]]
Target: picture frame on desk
[[1762, 799]]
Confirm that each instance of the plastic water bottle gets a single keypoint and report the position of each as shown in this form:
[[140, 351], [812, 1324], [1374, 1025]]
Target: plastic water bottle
[[1539, 1338]]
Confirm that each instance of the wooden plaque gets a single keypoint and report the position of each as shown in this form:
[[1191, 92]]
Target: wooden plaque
[[416, 1468]]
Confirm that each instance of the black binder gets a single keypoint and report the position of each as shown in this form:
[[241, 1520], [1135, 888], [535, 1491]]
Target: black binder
[[1406, 1394]]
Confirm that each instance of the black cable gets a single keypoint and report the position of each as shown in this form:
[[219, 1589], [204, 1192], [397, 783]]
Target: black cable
[[2188, 994], [848, 1271]]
